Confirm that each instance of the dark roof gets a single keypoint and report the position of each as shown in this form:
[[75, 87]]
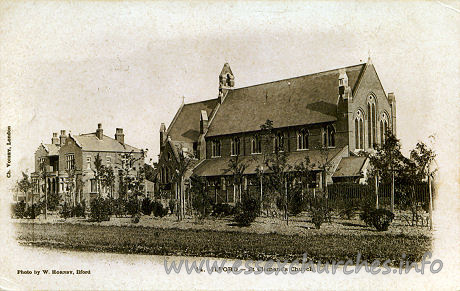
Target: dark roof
[[186, 123], [297, 101], [90, 142], [218, 166], [350, 167]]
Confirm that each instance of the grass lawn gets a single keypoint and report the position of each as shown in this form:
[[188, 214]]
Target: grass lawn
[[265, 239]]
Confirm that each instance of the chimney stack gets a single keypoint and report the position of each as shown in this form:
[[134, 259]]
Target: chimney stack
[[203, 122], [62, 138], [162, 133], [55, 139], [99, 131], [119, 136]]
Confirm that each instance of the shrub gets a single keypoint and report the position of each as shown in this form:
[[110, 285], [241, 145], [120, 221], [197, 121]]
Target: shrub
[[66, 211], [367, 208], [33, 211], [246, 211], [158, 209], [19, 209], [100, 209], [222, 209], [132, 206], [381, 219], [172, 205], [79, 210], [319, 212], [347, 208], [202, 203], [146, 206]]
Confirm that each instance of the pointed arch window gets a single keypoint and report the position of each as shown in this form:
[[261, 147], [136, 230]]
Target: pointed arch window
[[359, 130], [278, 142], [215, 147], [328, 136], [302, 139], [235, 146], [371, 121], [383, 127]]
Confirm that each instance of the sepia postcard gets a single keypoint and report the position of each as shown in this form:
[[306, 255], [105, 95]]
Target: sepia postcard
[[237, 145]]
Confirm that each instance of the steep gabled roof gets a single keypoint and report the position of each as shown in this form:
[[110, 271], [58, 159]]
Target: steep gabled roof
[[90, 142], [186, 124], [297, 101], [52, 149]]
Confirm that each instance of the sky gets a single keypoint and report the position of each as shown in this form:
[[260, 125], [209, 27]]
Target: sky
[[72, 65]]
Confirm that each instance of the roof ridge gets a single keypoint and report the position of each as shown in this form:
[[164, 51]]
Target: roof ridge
[[196, 102], [301, 76]]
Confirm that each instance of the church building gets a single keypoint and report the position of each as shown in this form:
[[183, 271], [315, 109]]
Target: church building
[[344, 111]]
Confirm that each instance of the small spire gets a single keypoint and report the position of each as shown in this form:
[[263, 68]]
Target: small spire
[[183, 100]]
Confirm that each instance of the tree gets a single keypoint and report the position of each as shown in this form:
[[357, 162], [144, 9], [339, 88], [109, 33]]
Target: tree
[[71, 184], [25, 185], [108, 180], [183, 162], [201, 201], [302, 176], [236, 168], [278, 167], [98, 171]]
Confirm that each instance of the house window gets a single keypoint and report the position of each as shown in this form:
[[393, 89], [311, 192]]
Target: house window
[[70, 161], [359, 130], [41, 162], [88, 162], [328, 136], [109, 161], [93, 186], [256, 145], [278, 143], [383, 127], [371, 121], [302, 139], [215, 148], [235, 146]]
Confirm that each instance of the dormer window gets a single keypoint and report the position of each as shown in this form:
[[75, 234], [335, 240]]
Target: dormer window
[[302, 139], [235, 146], [256, 145], [215, 148]]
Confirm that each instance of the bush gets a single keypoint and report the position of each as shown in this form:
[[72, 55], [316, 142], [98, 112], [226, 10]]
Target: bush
[[222, 209], [79, 210], [19, 209], [381, 219], [247, 211], [33, 211], [320, 213], [347, 208], [367, 208], [132, 206], [202, 203], [172, 205], [66, 211], [146, 206], [158, 209], [100, 209]]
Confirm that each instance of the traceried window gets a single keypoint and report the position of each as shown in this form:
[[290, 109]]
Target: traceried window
[[235, 146], [371, 121], [359, 130], [256, 145], [278, 142], [328, 136], [215, 151], [302, 139], [70, 161], [383, 127]]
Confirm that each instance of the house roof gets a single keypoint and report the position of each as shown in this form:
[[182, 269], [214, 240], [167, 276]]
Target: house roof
[[52, 149], [219, 166], [297, 101], [350, 167], [90, 142], [186, 123]]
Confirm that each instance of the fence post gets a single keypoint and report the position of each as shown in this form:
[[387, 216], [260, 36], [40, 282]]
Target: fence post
[[376, 192], [431, 202], [393, 191]]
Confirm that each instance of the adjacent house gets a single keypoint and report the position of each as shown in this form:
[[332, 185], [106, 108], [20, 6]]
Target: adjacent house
[[67, 167], [340, 112]]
